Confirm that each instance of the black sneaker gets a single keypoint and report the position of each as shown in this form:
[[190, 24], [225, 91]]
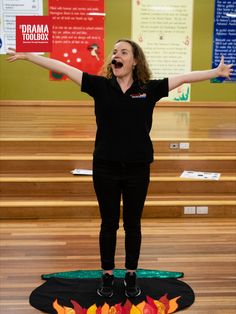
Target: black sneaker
[[106, 289], [131, 288]]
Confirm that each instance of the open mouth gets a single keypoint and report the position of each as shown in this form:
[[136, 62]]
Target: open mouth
[[117, 64]]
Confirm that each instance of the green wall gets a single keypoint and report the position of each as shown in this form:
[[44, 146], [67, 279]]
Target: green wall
[[22, 80]]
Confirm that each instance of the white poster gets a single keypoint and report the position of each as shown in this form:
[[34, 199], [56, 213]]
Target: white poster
[[163, 28], [9, 9]]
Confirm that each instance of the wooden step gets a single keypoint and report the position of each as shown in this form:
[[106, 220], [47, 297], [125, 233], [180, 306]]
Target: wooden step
[[41, 142], [67, 184], [26, 146], [158, 206], [174, 184], [162, 163], [29, 146], [49, 156], [90, 103], [196, 145], [195, 162]]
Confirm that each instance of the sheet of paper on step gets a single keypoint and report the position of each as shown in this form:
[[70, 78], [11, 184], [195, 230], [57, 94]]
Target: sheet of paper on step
[[82, 172], [200, 175]]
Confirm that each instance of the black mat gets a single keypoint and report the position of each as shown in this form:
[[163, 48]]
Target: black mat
[[73, 296]]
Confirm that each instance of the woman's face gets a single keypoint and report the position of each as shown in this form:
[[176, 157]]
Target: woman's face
[[122, 61]]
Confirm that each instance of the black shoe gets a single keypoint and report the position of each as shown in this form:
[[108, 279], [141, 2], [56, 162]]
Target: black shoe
[[131, 288], [106, 289]]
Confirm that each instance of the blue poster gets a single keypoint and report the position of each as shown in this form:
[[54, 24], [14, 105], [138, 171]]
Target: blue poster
[[224, 41]]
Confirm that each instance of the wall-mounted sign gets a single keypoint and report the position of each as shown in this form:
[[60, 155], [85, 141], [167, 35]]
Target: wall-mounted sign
[[9, 9], [224, 41], [78, 34], [163, 28]]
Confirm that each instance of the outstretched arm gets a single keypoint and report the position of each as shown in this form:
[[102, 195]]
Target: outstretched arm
[[223, 70], [47, 63]]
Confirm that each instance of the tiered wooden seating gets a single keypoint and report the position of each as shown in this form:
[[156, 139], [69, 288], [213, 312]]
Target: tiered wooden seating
[[41, 142]]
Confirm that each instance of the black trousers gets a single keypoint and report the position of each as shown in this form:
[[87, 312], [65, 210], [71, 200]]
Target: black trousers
[[113, 180]]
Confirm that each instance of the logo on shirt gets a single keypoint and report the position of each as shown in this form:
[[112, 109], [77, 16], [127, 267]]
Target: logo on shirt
[[143, 95]]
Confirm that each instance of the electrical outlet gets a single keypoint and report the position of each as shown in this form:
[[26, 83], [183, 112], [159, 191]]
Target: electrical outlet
[[184, 145], [202, 210], [174, 145], [189, 210]]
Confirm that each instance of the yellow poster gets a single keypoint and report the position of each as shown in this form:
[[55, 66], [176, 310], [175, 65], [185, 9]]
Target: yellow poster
[[163, 28]]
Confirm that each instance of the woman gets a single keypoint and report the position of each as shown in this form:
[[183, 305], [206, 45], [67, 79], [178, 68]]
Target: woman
[[124, 101]]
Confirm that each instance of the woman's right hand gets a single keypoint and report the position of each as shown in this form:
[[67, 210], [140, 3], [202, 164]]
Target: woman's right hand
[[50, 64], [14, 56]]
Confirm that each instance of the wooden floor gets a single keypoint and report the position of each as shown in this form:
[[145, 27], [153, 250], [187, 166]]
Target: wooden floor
[[204, 249]]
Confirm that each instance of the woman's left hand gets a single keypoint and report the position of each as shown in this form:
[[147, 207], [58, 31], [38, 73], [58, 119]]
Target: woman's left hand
[[224, 70]]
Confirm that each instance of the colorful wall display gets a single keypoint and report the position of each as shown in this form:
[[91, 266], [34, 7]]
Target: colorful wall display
[[78, 34], [224, 38], [163, 28]]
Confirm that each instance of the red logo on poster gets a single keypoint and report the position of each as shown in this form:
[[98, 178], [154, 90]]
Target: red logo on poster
[[33, 33]]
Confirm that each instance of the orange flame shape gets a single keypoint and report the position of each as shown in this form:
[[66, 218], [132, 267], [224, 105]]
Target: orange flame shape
[[152, 306]]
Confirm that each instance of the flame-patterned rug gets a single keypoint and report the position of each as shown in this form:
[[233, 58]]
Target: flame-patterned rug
[[75, 293]]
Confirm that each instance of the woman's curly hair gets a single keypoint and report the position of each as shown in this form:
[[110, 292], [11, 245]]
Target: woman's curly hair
[[141, 71]]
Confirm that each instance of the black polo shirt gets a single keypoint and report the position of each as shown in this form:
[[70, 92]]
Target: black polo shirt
[[124, 120]]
